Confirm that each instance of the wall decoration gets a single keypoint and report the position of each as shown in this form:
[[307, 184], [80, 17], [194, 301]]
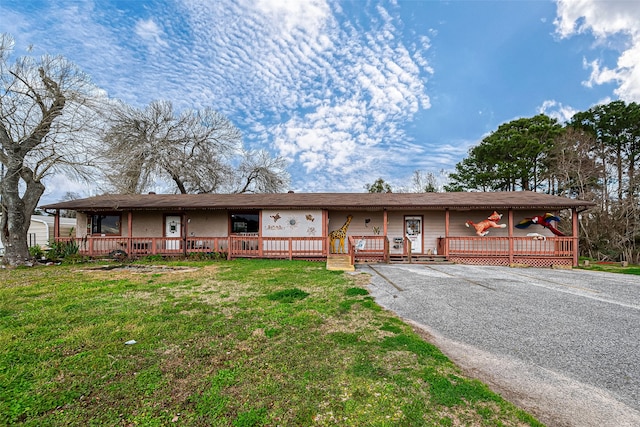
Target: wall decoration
[[290, 223], [544, 221], [482, 228]]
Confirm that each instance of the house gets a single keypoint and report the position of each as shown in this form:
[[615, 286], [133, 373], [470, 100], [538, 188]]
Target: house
[[41, 230], [362, 226]]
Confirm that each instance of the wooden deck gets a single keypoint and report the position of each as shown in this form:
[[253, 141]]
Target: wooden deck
[[466, 250]]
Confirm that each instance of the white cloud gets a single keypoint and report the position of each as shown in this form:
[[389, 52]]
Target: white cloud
[[151, 33], [302, 78], [607, 21], [557, 110]]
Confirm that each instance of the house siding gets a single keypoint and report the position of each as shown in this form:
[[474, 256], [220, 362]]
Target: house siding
[[208, 223]]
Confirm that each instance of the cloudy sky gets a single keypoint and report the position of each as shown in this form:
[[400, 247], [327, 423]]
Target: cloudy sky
[[347, 91]]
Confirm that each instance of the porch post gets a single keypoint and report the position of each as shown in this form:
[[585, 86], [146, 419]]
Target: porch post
[[385, 219], [574, 226], [446, 233], [130, 231], [184, 234], [325, 226], [56, 226], [510, 236]]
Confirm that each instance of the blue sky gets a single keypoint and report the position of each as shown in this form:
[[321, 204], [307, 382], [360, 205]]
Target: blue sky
[[347, 91]]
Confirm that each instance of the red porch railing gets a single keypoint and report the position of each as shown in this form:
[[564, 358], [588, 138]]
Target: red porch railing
[[276, 247], [142, 246], [369, 249], [469, 250], [506, 250]]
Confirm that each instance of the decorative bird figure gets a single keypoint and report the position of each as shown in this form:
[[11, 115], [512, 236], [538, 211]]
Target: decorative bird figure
[[544, 221]]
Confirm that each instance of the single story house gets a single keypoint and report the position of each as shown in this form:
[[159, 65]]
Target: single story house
[[362, 226]]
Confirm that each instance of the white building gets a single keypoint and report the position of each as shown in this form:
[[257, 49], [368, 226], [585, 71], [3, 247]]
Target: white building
[[41, 230]]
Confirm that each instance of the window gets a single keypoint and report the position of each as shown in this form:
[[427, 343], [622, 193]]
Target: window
[[245, 222], [105, 224]]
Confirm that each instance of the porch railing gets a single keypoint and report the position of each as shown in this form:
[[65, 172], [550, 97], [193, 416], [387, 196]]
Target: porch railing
[[506, 250], [277, 247], [368, 248], [361, 248], [520, 246], [142, 246]]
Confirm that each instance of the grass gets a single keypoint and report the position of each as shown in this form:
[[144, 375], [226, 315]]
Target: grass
[[232, 343], [610, 267]]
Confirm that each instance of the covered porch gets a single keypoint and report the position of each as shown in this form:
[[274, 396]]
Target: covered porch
[[540, 251]]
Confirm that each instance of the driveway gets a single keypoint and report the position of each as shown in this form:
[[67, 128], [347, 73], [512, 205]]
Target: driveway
[[562, 344]]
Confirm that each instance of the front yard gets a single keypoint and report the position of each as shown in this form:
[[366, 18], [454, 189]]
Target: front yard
[[229, 343]]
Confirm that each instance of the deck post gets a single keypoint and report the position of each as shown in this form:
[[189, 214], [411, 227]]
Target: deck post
[[184, 234], [574, 231], [446, 233], [510, 221], [385, 228], [326, 249], [56, 226], [130, 231]]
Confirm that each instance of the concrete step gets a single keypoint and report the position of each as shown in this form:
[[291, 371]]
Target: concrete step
[[340, 262], [419, 259]]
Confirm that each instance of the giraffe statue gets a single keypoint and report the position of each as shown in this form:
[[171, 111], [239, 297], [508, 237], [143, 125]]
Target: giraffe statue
[[340, 234]]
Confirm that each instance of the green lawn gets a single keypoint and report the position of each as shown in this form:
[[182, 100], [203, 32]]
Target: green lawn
[[230, 343], [610, 267]]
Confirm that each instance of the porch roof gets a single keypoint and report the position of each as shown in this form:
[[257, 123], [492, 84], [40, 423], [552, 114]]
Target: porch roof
[[334, 201]]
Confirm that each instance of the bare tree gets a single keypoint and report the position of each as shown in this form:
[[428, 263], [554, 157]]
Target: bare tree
[[46, 119], [572, 169], [424, 182], [259, 173], [191, 150]]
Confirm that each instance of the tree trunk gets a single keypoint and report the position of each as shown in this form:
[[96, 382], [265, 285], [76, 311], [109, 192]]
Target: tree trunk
[[16, 218]]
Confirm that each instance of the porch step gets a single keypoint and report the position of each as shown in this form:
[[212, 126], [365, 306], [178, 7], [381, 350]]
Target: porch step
[[340, 262], [419, 259]]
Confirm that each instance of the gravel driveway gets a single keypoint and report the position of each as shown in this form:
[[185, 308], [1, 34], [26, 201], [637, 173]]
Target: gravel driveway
[[562, 344]]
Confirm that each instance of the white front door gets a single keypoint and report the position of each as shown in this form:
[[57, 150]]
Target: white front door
[[172, 229], [413, 231]]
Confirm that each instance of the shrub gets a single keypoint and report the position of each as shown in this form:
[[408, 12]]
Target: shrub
[[36, 252], [61, 250]]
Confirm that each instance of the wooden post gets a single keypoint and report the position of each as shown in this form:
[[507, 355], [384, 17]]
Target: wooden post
[[184, 234], [574, 231], [56, 226], [290, 249], [446, 233], [510, 226], [326, 249], [130, 231], [385, 220]]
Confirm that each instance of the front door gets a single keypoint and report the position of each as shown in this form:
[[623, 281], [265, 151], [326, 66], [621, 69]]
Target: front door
[[413, 231], [172, 229]]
